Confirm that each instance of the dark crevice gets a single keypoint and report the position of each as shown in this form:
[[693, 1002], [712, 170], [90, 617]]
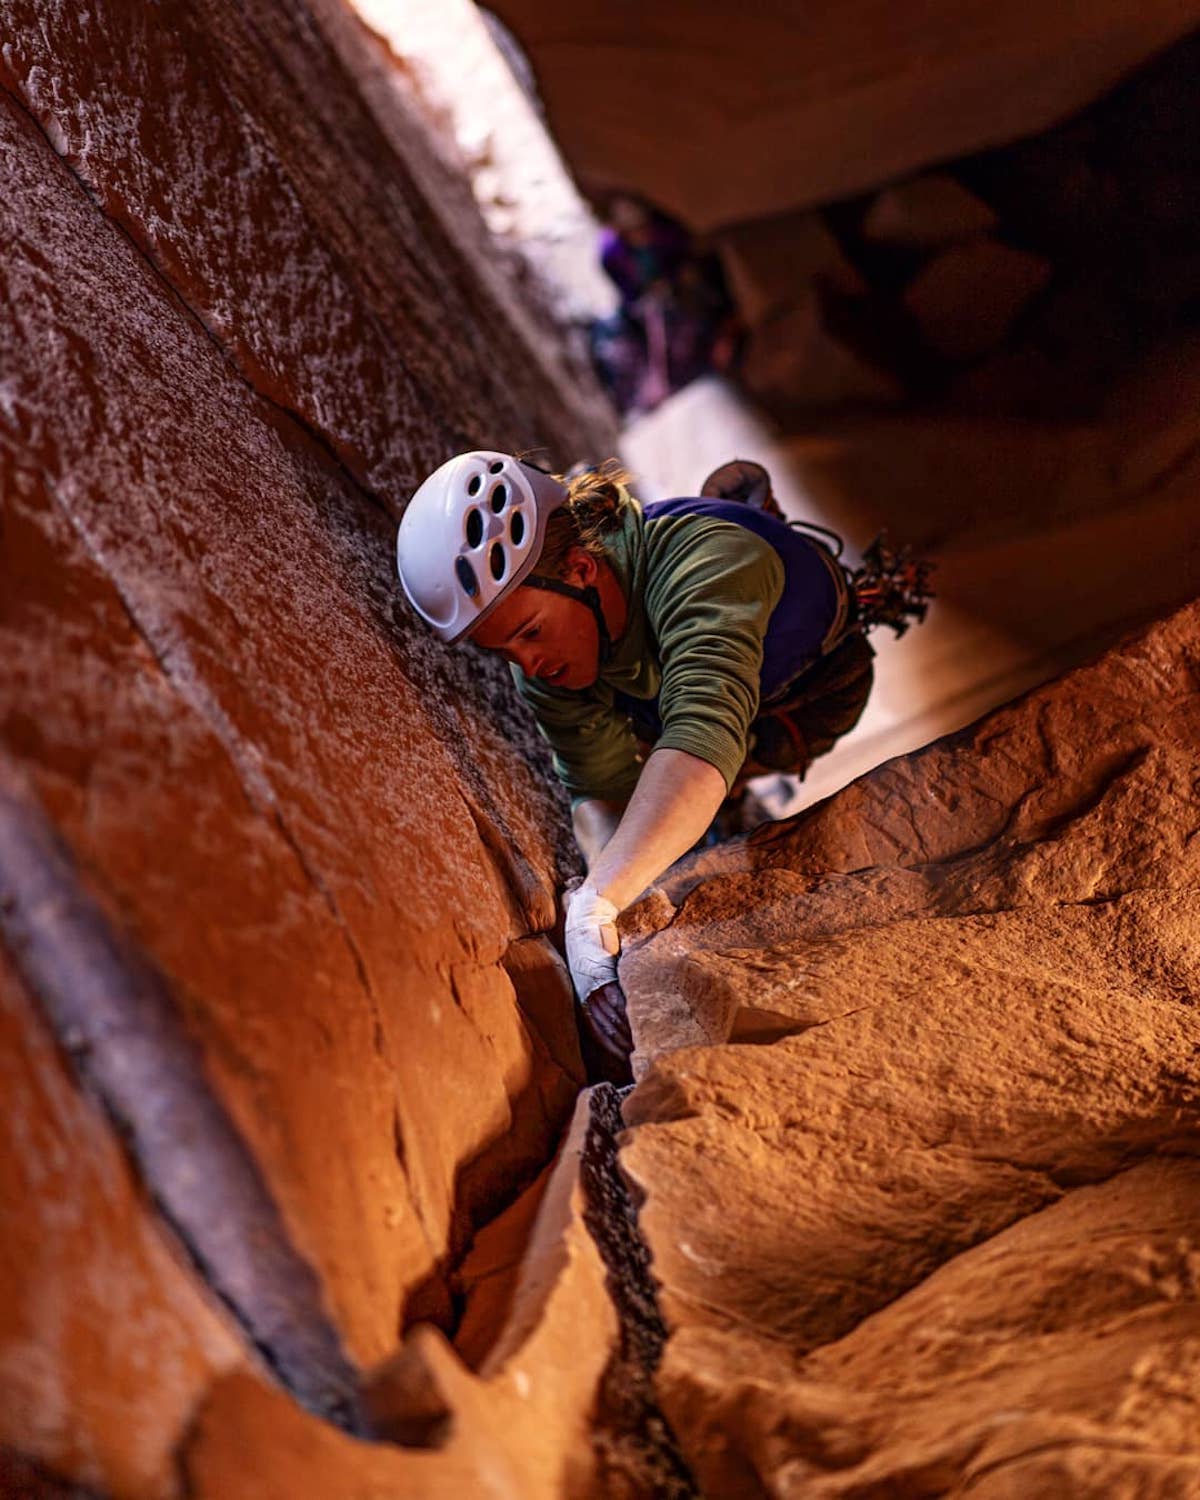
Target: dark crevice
[[398, 1143], [755, 1026], [1069, 1179], [432, 1299], [517, 877], [406, 1406], [636, 1452]]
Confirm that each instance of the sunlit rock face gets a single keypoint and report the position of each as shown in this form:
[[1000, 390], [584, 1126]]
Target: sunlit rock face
[[720, 118], [265, 846], [918, 1121]]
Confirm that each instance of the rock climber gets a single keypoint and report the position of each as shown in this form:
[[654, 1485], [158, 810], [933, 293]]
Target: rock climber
[[668, 651]]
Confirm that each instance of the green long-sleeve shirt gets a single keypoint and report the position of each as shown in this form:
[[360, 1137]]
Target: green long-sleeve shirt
[[700, 593]]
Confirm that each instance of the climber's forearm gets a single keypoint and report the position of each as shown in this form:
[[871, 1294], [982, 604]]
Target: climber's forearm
[[676, 798], [595, 820]]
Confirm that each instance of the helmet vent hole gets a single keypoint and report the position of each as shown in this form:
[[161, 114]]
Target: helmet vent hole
[[496, 467], [466, 576], [474, 484], [474, 528], [517, 528], [497, 561], [499, 498]]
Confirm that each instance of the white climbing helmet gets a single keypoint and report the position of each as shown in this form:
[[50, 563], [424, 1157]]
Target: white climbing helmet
[[472, 532]]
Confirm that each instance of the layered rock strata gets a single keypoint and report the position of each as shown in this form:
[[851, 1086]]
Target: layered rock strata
[[918, 1121]]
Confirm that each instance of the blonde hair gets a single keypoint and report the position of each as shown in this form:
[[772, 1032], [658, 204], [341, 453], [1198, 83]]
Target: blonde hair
[[595, 499]]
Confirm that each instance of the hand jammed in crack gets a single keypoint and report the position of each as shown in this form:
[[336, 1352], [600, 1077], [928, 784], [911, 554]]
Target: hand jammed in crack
[[592, 948]]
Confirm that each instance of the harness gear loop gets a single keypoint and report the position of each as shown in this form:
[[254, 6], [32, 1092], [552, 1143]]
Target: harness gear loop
[[891, 587]]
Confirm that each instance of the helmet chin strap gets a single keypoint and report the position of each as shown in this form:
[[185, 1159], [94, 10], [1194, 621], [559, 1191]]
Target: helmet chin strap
[[589, 596]]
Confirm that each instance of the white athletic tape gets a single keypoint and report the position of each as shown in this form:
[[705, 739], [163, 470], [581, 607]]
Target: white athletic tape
[[592, 943]]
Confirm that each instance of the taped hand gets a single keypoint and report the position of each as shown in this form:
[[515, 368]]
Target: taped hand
[[591, 937], [592, 948]]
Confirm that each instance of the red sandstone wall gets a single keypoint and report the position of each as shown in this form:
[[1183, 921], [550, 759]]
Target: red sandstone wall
[[264, 849], [916, 1134]]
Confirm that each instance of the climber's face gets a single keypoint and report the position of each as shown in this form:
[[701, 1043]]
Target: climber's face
[[548, 636]]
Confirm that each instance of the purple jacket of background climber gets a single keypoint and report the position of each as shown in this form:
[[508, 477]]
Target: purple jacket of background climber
[[674, 320], [634, 268]]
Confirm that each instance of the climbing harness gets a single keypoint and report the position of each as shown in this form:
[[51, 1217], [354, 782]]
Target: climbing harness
[[475, 529]]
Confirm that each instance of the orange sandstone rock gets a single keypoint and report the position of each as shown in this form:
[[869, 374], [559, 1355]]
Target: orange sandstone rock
[[106, 1340], [966, 299], [925, 212], [1057, 1359], [945, 1003], [517, 1430]]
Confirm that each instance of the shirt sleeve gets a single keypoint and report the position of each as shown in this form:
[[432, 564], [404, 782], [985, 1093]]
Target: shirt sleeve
[[711, 592], [595, 751]]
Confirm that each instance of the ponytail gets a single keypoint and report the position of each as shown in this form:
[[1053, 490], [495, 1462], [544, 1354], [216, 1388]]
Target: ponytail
[[596, 499]]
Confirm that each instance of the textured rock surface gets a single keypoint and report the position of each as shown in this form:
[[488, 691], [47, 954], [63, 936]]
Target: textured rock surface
[[787, 275], [322, 245], [517, 1433], [772, 263], [947, 1002], [797, 359], [1057, 1359], [796, 105], [240, 313], [281, 1034], [106, 1341]]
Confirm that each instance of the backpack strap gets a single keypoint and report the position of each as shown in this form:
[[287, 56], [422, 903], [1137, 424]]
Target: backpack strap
[[890, 588]]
